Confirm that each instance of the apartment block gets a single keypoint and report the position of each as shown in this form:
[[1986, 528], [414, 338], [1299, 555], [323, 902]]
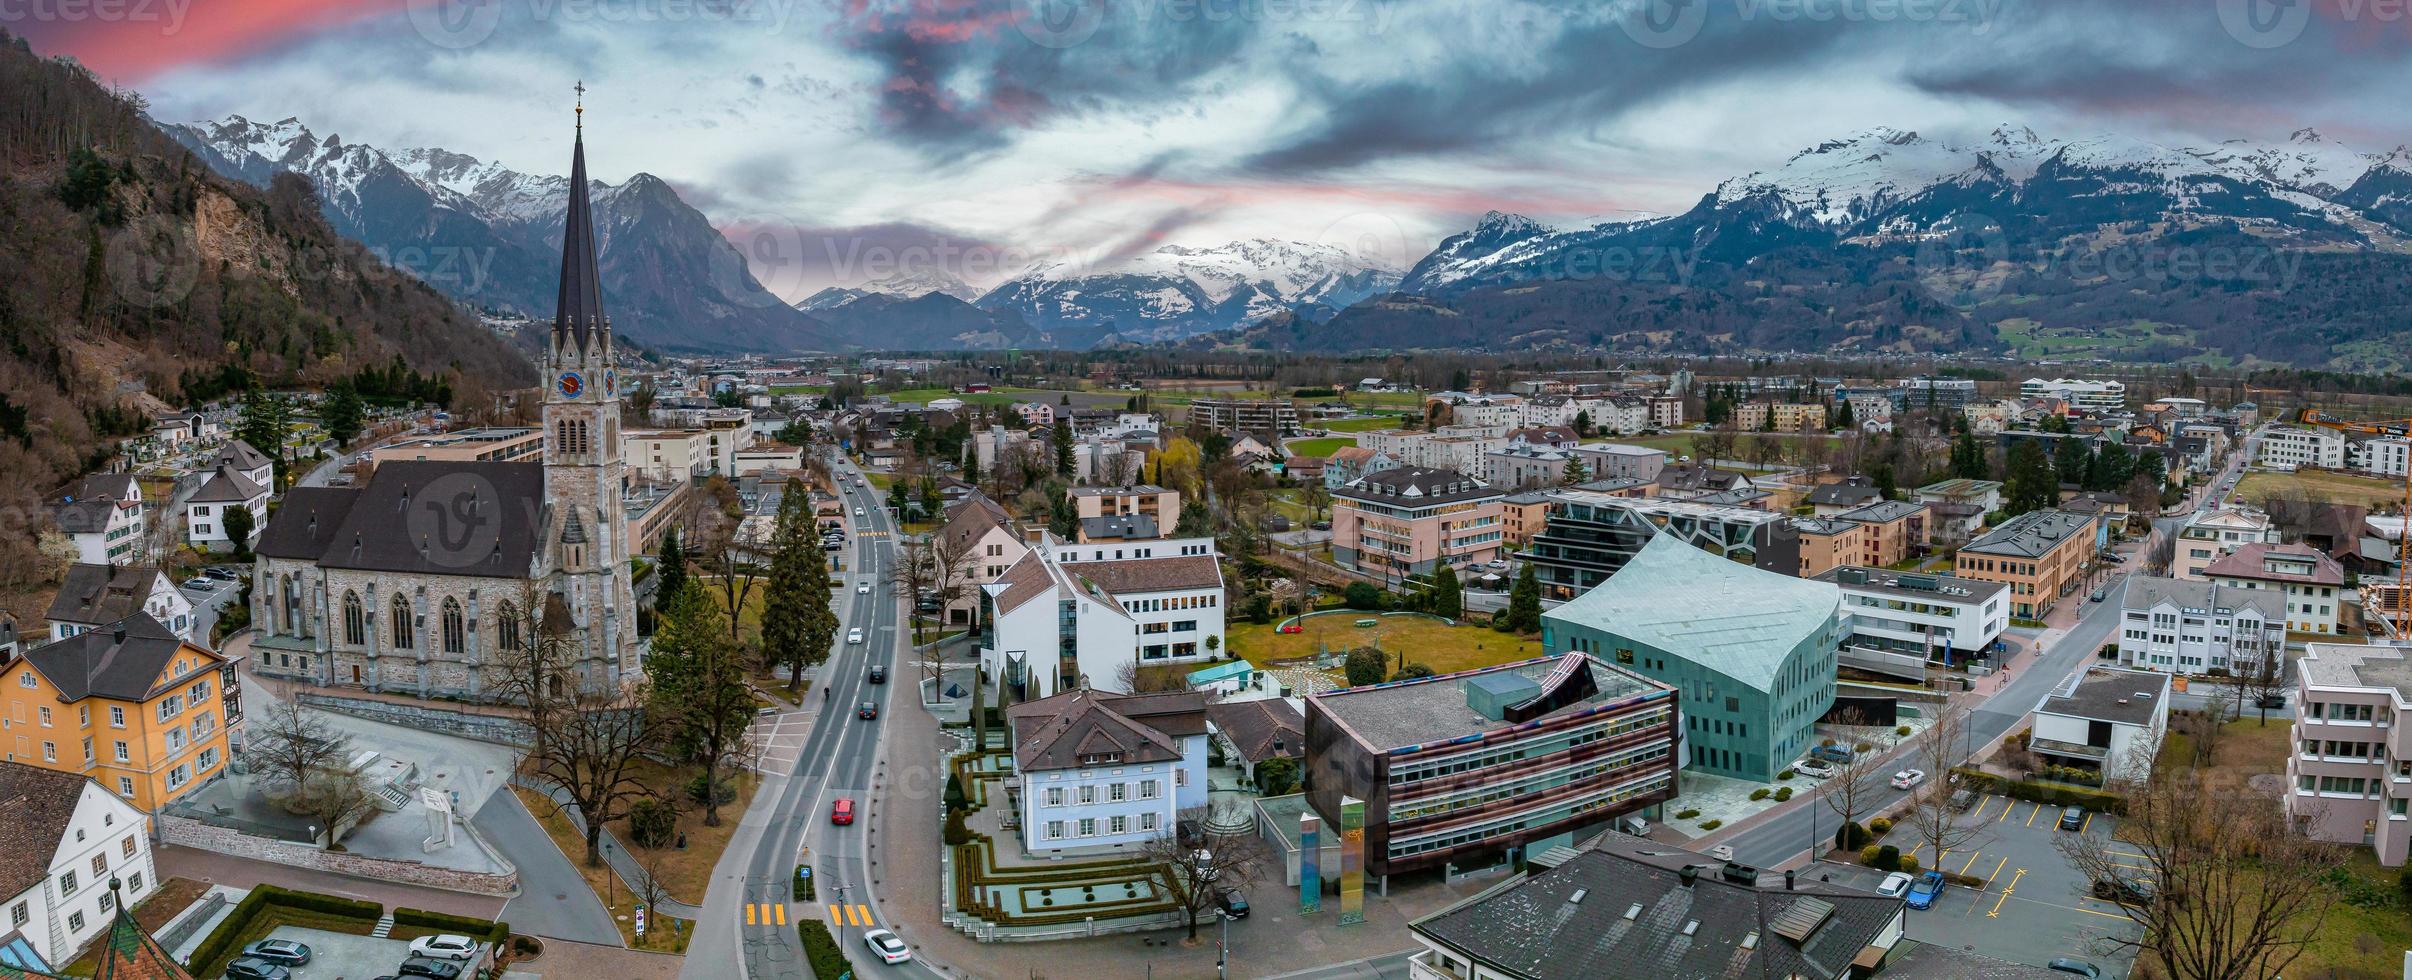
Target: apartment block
[[2041, 555], [2182, 626], [2211, 535], [1411, 520], [2350, 774], [1780, 417], [1088, 615], [2091, 396], [136, 707], [2313, 583], [1591, 534], [2383, 456], [1491, 765], [1618, 461], [1274, 415], [1939, 617], [2289, 447]]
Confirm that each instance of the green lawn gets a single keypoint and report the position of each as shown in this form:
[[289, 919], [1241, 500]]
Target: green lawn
[[2335, 488], [1426, 641], [1001, 396], [1320, 447], [1364, 424]]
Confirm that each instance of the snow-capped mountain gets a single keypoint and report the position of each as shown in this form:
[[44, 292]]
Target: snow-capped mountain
[[1177, 290], [491, 236], [910, 284]]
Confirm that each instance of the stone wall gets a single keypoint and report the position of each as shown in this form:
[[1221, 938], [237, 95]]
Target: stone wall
[[193, 833], [430, 718]]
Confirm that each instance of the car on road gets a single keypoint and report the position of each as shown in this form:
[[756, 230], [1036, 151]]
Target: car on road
[[1907, 778], [876, 675], [432, 967], [1928, 888], [854, 635], [1814, 768], [863, 589], [282, 951], [2063, 964], [842, 811], [1831, 753], [2072, 818], [887, 947], [1234, 903], [249, 968], [1895, 885], [2270, 701], [867, 710], [444, 947], [199, 584], [858, 512], [1320, 526], [2099, 595]]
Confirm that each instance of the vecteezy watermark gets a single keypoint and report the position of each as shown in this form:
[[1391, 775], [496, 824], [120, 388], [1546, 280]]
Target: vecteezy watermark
[[1970, 264], [455, 520], [1058, 23], [1672, 23], [153, 262], [457, 24], [167, 14], [2264, 24], [1615, 263]]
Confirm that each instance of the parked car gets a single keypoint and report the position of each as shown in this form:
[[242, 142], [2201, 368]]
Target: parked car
[[2072, 818], [444, 947], [221, 574], [282, 951], [199, 584], [1895, 885], [1908, 778], [1928, 888], [2272, 700], [842, 811], [435, 969], [1813, 768], [2125, 891], [876, 675], [2098, 595], [867, 710], [249, 968], [1831, 753], [2081, 968], [887, 947], [1235, 904]]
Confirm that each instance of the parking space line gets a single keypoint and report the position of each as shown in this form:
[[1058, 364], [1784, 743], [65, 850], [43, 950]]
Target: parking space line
[[2008, 805], [1997, 870], [2031, 814], [1996, 911], [2089, 821], [1982, 803], [1972, 861]]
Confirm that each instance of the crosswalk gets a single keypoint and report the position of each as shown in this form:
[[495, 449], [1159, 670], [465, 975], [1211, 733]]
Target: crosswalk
[[766, 913], [840, 915], [850, 915]]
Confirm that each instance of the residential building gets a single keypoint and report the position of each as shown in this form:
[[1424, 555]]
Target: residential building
[[2349, 774], [764, 457], [1099, 771], [1829, 543], [226, 490], [1666, 411], [1896, 531], [1624, 906], [92, 596], [1523, 466], [1591, 534], [1463, 448], [1618, 461], [2209, 536], [69, 839], [1524, 513], [2290, 447], [1850, 493], [491, 444], [103, 515], [1950, 394], [983, 536], [1691, 479], [1259, 728], [2107, 719], [1304, 469], [1502, 411], [132, 705], [1755, 416], [1156, 503], [2313, 583], [667, 454], [1276, 416], [1551, 436], [238, 456], [2041, 555], [1942, 618], [1958, 508], [2385, 456], [1411, 520], [2091, 396], [1349, 463], [1752, 651], [1485, 766], [2188, 626], [1034, 413], [1069, 615]]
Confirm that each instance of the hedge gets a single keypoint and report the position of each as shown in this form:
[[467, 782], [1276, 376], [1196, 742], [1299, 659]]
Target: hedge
[[482, 930], [218, 947], [2053, 794], [821, 950]]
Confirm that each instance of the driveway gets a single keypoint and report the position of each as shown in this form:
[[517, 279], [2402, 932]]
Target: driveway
[[554, 901]]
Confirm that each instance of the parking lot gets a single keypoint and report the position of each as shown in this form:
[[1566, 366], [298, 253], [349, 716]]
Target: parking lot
[[2033, 906], [342, 956]]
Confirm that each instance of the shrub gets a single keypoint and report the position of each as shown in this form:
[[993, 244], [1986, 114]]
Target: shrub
[[1761, 793], [652, 823], [1783, 793], [1901, 730], [1412, 671], [1888, 858], [1862, 746], [821, 950], [1786, 774], [481, 929], [1828, 743], [1867, 855], [957, 834], [2403, 884], [703, 784], [1880, 826], [1712, 825], [1365, 665], [1853, 836], [1686, 814], [1909, 863], [1364, 595]]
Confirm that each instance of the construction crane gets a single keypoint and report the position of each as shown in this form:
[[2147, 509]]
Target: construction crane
[[2396, 610]]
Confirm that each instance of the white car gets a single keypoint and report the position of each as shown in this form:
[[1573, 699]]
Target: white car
[[1895, 885], [1907, 778], [887, 947], [1813, 768], [858, 512], [446, 947], [854, 635], [863, 589]]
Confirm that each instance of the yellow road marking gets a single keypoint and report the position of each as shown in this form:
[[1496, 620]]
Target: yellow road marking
[[2089, 821], [750, 910], [1997, 870], [1996, 911], [2008, 805], [1972, 861], [861, 913], [779, 911], [836, 917], [2031, 814]]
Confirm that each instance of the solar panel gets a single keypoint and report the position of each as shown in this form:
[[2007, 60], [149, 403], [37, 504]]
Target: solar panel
[[1801, 918]]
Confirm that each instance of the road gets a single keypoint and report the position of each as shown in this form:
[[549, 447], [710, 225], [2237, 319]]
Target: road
[[749, 930]]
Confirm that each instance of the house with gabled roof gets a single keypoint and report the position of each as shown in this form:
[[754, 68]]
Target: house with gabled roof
[[1096, 771], [226, 489], [95, 595], [64, 842], [103, 514], [131, 704], [1093, 613]]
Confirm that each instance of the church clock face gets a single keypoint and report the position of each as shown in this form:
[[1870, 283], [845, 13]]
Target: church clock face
[[571, 384]]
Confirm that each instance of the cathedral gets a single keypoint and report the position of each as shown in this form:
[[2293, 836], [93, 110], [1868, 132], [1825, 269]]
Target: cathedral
[[418, 580]]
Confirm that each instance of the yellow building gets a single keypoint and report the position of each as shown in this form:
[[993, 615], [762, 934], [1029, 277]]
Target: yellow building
[[128, 704]]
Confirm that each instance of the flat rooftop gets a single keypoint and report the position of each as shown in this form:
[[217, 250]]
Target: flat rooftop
[[2114, 694], [2379, 666], [1401, 714], [1921, 586]]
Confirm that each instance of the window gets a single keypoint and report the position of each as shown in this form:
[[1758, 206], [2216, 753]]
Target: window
[[75, 922], [1055, 796], [100, 866], [126, 846], [200, 692], [1116, 825], [134, 882], [18, 914], [1147, 821], [87, 748], [355, 620], [83, 716], [1148, 789], [26, 679], [1055, 830], [179, 776], [1116, 792], [117, 717], [1088, 794], [506, 626], [50, 751], [67, 883], [125, 786], [175, 740], [401, 622], [1088, 826], [209, 759], [107, 901], [122, 755], [45, 716]]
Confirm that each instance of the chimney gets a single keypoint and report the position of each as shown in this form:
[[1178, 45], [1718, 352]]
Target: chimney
[[117, 634], [1689, 874], [1788, 880]]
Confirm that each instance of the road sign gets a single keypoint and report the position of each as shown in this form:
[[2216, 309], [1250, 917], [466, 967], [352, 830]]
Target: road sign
[[803, 871], [640, 920]]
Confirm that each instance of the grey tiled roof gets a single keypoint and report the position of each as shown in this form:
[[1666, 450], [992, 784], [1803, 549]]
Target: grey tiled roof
[[100, 663], [102, 593], [2031, 535], [437, 517]]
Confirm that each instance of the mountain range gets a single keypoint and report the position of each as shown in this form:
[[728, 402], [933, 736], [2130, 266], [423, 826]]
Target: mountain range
[[490, 236]]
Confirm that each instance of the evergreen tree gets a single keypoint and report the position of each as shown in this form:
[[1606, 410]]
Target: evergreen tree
[[1448, 597], [797, 621], [1968, 458], [2032, 484], [1063, 519], [1582, 424], [1575, 472], [1195, 521], [2111, 468], [1063, 447], [1843, 416], [699, 691], [670, 575], [1524, 602], [1887, 485], [2070, 460], [264, 423], [237, 522], [340, 412]]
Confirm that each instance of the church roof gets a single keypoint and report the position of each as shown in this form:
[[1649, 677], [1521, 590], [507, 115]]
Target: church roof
[[578, 313], [431, 517]]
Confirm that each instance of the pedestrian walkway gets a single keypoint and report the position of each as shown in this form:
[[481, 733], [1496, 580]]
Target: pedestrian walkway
[[623, 864]]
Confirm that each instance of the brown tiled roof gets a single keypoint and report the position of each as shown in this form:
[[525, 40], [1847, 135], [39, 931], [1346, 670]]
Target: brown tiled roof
[[1351, 454], [2245, 562], [969, 518], [1252, 727], [36, 804], [1057, 732], [1026, 580], [1151, 574]]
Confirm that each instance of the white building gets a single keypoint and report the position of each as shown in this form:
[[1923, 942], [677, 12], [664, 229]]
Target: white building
[[666, 455], [226, 490], [1100, 772], [2313, 583], [2106, 718], [2211, 535], [70, 838], [1937, 616], [2091, 396], [1090, 615], [2287, 447], [1524, 466], [2384, 457], [95, 595], [2177, 626], [104, 515], [979, 530]]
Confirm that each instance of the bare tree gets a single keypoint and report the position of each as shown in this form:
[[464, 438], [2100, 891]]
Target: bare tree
[[589, 733], [2262, 678], [308, 766], [951, 561], [913, 576], [2225, 885], [1932, 820], [1196, 873], [1853, 790]]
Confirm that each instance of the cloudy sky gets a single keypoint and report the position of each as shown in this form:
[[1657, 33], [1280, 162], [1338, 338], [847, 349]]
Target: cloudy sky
[[984, 134]]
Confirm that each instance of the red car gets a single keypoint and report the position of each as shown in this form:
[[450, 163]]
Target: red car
[[842, 812]]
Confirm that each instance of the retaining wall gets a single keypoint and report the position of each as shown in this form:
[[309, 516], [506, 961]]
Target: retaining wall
[[193, 833], [447, 721]]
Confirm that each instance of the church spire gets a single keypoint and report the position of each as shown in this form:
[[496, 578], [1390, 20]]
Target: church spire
[[578, 314]]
